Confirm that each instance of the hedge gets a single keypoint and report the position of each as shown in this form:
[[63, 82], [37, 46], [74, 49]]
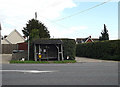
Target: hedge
[[69, 48], [108, 50]]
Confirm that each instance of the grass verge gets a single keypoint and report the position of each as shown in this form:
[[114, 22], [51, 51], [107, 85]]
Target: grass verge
[[42, 62]]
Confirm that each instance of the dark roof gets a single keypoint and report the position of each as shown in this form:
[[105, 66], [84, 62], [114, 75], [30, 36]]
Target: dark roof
[[47, 41], [86, 38], [79, 40]]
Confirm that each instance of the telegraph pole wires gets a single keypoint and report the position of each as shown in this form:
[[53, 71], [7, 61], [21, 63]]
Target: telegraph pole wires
[[82, 11]]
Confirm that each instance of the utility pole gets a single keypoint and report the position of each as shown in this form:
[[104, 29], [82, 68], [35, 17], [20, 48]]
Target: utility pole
[[35, 15], [0, 33], [0, 43]]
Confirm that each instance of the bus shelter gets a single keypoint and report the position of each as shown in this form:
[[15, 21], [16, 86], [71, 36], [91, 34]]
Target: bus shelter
[[48, 49]]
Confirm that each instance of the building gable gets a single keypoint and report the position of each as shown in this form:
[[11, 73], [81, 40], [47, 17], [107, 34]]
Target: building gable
[[89, 39], [15, 37], [85, 40], [5, 41]]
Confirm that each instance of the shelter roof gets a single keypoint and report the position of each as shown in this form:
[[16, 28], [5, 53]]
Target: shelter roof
[[47, 41]]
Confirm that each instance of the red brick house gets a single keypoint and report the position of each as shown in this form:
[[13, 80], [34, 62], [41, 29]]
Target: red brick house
[[22, 46], [85, 40]]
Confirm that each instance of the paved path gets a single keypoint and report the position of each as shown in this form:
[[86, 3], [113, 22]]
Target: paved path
[[84, 59], [5, 58]]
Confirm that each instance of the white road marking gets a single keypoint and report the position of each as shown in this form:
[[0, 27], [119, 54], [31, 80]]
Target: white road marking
[[26, 71]]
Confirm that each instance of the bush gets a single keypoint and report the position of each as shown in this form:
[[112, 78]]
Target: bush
[[108, 50], [69, 48]]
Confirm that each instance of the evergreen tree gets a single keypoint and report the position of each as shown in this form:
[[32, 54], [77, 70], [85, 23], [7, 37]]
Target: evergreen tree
[[104, 33], [34, 34], [33, 26]]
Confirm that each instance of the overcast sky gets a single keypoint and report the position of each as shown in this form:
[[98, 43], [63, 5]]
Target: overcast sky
[[14, 14]]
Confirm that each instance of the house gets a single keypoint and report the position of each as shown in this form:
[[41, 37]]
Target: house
[[22, 46], [13, 38], [85, 40], [48, 49]]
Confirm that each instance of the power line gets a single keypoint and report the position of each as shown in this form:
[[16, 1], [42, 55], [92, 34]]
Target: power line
[[63, 26], [82, 11]]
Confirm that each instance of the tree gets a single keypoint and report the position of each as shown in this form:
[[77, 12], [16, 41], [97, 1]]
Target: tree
[[34, 26], [34, 34], [105, 35]]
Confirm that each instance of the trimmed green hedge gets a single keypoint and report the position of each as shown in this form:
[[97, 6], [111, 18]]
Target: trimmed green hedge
[[109, 50], [69, 48]]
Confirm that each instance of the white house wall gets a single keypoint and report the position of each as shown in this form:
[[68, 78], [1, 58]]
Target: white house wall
[[4, 42], [13, 38]]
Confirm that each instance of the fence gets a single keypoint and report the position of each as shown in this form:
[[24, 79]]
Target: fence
[[19, 55], [8, 48]]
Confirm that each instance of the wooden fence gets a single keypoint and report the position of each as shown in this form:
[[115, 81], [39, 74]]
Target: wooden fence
[[8, 48]]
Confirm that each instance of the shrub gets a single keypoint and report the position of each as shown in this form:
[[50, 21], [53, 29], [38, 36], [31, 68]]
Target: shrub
[[108, 50], [69, 48]]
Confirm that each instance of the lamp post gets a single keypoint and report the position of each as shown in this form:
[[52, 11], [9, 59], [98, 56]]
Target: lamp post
[[28, 48], [0, 42], [0, 33]]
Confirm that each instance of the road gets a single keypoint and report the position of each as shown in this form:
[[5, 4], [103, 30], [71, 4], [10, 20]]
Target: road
[[104, 73]]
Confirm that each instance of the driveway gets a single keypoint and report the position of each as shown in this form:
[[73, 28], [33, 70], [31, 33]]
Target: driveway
[[5, 58], [84, 59]]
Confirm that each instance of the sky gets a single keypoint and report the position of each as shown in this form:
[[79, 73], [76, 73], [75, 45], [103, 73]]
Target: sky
[[119, 20], [63, 18]]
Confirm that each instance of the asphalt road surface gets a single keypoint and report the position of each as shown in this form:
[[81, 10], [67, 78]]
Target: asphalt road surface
[[60, 74]]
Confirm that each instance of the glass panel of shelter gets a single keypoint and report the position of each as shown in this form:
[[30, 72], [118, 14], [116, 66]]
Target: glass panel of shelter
[[43, 50]]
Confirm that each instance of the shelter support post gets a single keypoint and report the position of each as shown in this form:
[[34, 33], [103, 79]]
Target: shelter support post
[[35, 57], [58, 52], [39, 52], [62, 52]]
